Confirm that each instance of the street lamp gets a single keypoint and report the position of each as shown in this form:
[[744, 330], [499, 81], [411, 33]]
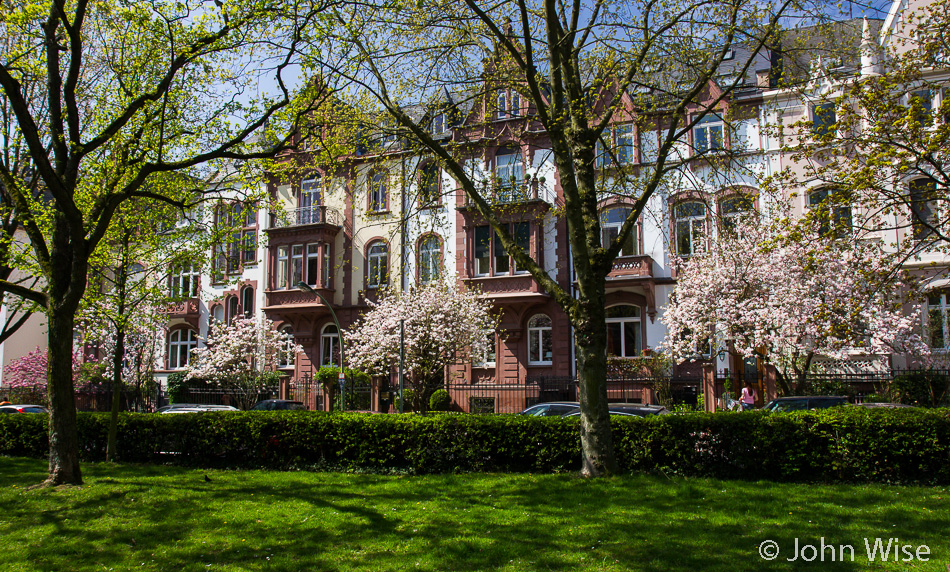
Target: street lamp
[[339, 331]]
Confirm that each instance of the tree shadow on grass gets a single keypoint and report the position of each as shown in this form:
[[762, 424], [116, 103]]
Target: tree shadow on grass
[[168, 518]]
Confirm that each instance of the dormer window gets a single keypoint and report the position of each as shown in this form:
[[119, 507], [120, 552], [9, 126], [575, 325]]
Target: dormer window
[[438, 124], [507, 103]]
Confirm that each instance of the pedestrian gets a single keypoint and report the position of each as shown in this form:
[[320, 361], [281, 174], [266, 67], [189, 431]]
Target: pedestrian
[[748, 396], [4, 401]]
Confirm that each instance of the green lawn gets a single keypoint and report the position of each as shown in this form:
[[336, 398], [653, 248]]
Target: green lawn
[[170, 518]]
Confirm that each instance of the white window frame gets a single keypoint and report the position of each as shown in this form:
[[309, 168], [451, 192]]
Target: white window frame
[[540, 331], [287, 357], [185, 280], [329, 346], [430, 259], [610, 229], [378, 191], [621, 321], [712, 129], [176, 345], [377, 265], [695, 227], [489, 358], [282, 267]]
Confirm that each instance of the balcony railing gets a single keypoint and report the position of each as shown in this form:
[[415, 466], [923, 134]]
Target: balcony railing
[[632, 266], [181, 308], [510, 192], [320, 214]]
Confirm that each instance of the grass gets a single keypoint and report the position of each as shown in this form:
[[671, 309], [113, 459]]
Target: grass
[[170, 518]]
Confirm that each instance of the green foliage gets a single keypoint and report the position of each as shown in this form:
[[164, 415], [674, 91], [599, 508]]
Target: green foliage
[[922, 388], [440, 400], [408, 395], [842, 444]]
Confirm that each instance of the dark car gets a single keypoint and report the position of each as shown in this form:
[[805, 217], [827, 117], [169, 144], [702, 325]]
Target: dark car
[[880, 405], [279, 405], [23, 409], [552, 409], [805, 403]]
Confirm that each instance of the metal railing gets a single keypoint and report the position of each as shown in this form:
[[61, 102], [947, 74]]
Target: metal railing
[[318, 214]]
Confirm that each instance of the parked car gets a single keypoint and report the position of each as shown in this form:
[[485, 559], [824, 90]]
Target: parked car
[[193, 408], [629, 410], [279, 405], [23, 409], [871, 405], [805, 403], [552, 409]]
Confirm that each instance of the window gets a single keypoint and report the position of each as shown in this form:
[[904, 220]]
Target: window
[[734, 211], [623, 331], [287, 355], [491, 256], [507, 103], [429, 185], [377, 263], [330, 346], [620, 139], [690, 228], [430, 259], [509, 172], [309, 210], [823, 120], [611, 220], [921, 107], [231, 305], [487, 359], [327, 281], [832, 210], [707, 134], [218, 313], [296, 265], [540, 349], [282, 262], [239, 223], [378, 193], [438, 124], [938, 306], [180, 344], [247, 301], [923, 207], [184, 281], [313, 264]]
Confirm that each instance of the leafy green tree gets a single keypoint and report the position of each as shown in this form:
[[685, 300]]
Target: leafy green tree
[[574, 69], [113, 101]]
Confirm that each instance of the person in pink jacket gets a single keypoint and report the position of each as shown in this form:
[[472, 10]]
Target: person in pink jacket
[[748, 396]]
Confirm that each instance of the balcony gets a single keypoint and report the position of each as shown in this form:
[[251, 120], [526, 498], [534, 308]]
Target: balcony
[[317, 223], [287, 304], [528, 190], [320, 214], [188, 310], [640, 266], [507, 287]]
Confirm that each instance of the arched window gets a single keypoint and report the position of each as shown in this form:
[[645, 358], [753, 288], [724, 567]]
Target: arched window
[[430, 190], [623, 331], [690, 228], [377, 264], [180, 344], [218, 313], [430, 259], [378, 191], [287, 355], [309, 201], [330, 346], [735, 210], [232, 308], [247, 301], [540, 348], [611, 220], [832, 210]]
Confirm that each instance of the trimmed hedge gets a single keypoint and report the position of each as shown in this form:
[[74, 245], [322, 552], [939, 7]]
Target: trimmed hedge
[[843, 444]]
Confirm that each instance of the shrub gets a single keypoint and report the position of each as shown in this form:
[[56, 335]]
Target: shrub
[[921, 388], [839, 444], [440, 400], [408, 395]]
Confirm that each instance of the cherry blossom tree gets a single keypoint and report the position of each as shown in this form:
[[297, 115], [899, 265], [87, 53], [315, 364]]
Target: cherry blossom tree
[[240, 354], [789, 298], [443, 325]]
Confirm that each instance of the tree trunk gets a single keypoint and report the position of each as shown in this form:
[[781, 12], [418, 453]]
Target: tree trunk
[[597, 446], [117, 359], [63, 436]]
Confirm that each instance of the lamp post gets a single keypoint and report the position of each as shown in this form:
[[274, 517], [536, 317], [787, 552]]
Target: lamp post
[[339, 330]]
